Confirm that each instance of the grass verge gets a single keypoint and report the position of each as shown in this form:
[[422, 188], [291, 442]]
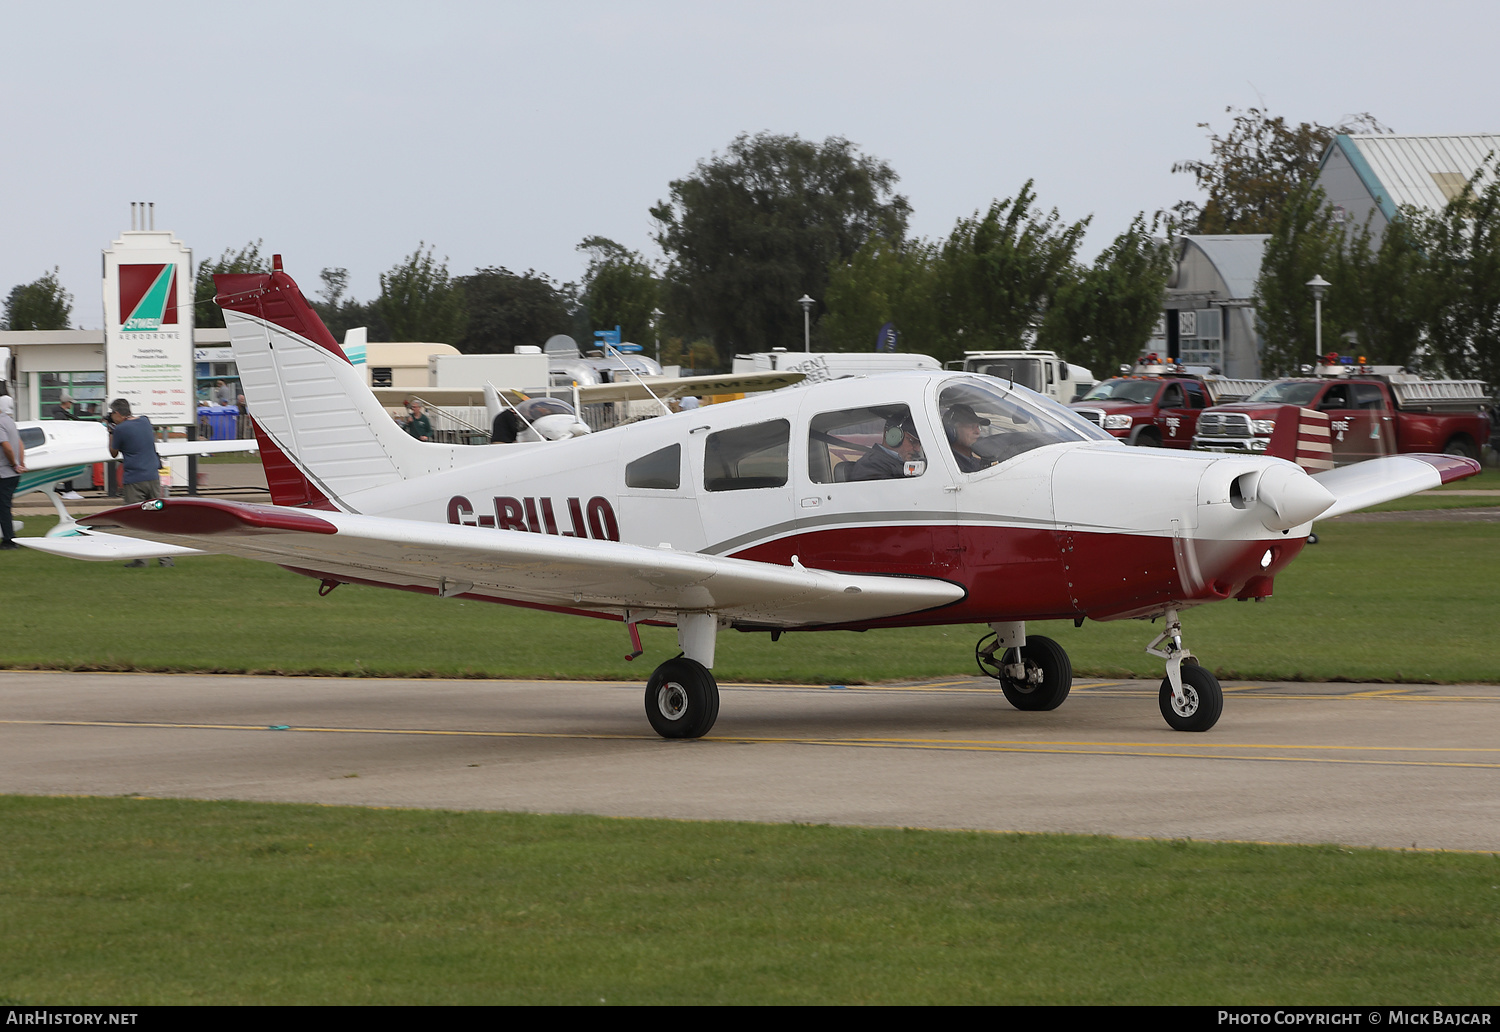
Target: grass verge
[[132, 901]]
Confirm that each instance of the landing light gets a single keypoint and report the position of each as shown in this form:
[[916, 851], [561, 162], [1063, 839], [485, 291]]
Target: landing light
[[1265, 560]]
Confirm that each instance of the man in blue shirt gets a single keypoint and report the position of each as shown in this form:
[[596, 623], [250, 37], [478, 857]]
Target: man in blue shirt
[[133, 440]]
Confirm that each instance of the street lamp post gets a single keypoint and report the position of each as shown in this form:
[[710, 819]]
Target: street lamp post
[[656, 314], [1319, 287], [806, 303]]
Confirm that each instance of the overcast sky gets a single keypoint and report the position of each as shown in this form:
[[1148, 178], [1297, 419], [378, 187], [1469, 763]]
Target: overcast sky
[[503, 133]]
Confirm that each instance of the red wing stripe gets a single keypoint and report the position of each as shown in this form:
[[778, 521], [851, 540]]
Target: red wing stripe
[[199, 516], [1450, 467]]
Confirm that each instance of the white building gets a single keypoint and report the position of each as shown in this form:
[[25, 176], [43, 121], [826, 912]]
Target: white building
[[1208, 315]]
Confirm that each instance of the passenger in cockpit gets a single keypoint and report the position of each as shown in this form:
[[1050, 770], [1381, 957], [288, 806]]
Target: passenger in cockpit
[[898, 445], [963, 426]]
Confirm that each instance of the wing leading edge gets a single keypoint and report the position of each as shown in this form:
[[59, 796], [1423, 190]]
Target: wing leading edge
[[567, 573]]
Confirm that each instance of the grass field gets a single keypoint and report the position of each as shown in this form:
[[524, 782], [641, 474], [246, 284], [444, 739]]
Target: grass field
[[130, 901], [1395, 601], [134, 901]]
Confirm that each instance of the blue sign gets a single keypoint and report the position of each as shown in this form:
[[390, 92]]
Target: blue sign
[[885, 340], [610, 337]]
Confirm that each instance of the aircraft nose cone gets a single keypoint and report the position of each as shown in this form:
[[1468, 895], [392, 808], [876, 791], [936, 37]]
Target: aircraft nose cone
[[1289, 497]]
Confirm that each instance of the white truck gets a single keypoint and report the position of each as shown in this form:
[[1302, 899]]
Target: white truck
[[1043, 371]]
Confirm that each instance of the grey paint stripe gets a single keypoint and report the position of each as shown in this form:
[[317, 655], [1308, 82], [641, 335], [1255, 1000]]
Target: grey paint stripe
[[870, 519]]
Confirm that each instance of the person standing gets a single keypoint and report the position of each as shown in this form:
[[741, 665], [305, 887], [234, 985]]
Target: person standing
[[132, 439], [12, 465], [419, 426], [64, 410]]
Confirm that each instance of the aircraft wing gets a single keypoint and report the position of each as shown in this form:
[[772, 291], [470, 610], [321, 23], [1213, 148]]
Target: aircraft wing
[[558, 572], [665, 387], [1362, 484], [448, 397], [57, 454]]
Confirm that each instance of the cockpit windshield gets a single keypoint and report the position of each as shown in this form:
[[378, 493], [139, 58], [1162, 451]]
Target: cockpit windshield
[[1288, 392], [1138, 391], [986, 425]]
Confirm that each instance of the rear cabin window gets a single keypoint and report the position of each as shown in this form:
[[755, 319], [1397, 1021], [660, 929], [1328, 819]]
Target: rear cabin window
[[747, 457], [659, 471]]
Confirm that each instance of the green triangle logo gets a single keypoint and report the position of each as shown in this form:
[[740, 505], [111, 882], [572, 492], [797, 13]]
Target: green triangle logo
[[152, 305]]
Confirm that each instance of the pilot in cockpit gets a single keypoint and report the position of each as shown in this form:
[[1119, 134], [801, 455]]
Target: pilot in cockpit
[[963, 426], [890, 458]]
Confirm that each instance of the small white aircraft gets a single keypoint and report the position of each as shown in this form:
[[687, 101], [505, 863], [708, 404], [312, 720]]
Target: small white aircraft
[[915, 498], [60, 450]]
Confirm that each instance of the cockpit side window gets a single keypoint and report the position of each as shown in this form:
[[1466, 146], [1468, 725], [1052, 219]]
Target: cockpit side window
[[876, 443], [986, 426]]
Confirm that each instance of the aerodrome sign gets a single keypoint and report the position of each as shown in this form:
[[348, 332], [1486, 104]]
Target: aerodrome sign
[[148, 325]]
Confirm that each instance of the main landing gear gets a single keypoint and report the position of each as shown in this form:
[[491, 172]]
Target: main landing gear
[[1034, 672], [1190, 697], [682, 697]]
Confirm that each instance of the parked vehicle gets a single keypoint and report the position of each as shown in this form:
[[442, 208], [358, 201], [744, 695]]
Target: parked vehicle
[[1043, 371], [1369, 414], [1157, 411]]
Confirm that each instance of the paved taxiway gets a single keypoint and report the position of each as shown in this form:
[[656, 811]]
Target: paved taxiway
[[1374, 765]]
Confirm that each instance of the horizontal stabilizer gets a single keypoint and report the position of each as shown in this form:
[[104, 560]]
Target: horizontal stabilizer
[[1373, 481], [531, 569]]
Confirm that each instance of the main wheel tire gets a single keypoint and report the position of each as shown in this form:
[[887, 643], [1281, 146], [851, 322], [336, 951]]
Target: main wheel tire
[[682, 699], [1203, 700], [1462, 446], [1048, 678]]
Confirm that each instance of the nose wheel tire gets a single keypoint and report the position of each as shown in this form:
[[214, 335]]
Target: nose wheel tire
[[1047, 679], [1203, 700], [682, 699]]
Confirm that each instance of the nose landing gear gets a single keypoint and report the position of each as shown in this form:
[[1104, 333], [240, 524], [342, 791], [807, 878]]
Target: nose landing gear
[[1190, 697]]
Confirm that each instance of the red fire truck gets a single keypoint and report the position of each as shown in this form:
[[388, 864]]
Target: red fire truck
[[1371, 411]]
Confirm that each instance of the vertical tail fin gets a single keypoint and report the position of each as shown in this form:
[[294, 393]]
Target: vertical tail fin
[[324, 438]]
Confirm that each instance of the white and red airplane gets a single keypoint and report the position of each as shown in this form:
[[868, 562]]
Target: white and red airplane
[[905, 499]]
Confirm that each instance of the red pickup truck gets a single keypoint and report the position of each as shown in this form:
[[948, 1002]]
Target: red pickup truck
[[1157, 411], [1368, 416]]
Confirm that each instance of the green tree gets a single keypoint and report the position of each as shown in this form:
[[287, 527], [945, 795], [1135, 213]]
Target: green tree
[[1102, 316], [341, 313], [1305, 242], [246, 259], [1255, 168], [619, 289], [885, 281], [42, 304], [1381, 293], [998, 274], [506, 309], [751, 231], [419, 302], [1462, 243]]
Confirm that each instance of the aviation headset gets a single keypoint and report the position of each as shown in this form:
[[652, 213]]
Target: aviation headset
[[896, 428]]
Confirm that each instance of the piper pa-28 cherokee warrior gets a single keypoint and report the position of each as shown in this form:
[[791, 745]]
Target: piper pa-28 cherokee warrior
[[899, 500]]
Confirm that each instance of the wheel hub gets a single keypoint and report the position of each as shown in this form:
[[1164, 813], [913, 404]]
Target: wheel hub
[[672, 700], [1189, 704]]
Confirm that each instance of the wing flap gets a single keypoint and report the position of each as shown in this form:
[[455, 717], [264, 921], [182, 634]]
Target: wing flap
[[513, 566]]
